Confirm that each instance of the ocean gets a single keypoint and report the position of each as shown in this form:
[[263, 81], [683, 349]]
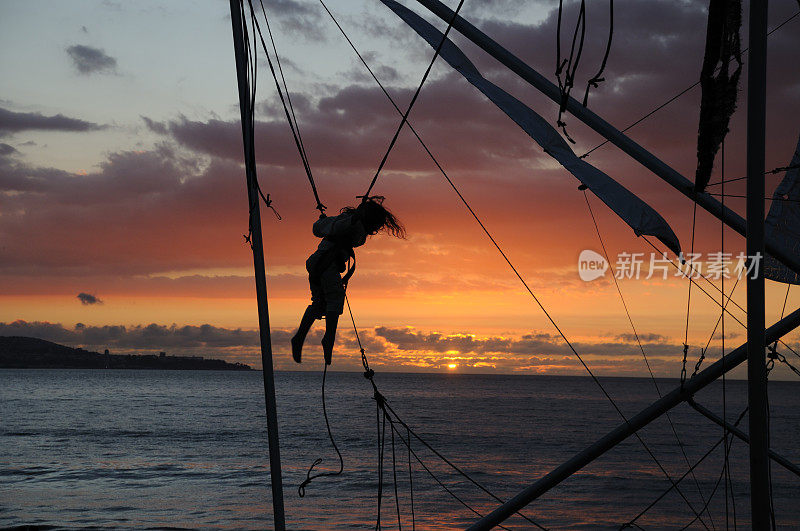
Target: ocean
[[187, 449]]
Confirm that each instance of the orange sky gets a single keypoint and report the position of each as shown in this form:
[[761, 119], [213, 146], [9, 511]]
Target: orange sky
[[149, 218]]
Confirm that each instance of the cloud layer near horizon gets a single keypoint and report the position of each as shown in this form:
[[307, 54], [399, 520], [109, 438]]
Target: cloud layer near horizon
[[396, 348]]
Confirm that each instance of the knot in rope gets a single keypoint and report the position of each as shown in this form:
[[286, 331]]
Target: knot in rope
[[683, 369], [379, 398], [772, 352]]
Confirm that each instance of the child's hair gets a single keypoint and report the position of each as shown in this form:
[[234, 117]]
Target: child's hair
[[377, 217]]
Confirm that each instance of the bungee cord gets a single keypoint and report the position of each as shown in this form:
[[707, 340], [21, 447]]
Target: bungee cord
[[413, 99], [286, 103], [301, 489]]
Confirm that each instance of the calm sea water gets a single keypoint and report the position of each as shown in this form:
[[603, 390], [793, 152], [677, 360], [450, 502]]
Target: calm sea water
[[177, 449]]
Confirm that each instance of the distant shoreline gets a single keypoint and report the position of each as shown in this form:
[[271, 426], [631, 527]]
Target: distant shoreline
[[18, 352]]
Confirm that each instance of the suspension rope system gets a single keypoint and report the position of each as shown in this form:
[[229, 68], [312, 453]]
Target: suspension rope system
[[413, 100], [641, 348], [569, 67], [288, 108], [682, 92], [519, 276], [388, 413]]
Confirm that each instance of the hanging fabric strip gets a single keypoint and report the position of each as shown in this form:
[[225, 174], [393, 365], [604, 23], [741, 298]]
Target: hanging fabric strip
[[639, 216], [783, 222], [720, 86]]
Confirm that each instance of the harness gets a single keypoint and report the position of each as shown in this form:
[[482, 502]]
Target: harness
[[342, 255]]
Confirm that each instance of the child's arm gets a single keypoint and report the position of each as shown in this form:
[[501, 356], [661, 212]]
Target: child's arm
[[330, 227]]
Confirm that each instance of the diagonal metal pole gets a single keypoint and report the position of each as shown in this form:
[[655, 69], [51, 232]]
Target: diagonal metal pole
[[778, 458], [680, 394], [777, 248], [257, 245]]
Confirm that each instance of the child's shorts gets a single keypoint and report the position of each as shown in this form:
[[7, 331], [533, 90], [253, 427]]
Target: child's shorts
[[327, 290]]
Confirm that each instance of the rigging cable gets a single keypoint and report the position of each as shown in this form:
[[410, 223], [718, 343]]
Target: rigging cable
[[632, 522], [689, 295], [641, 348], [413, 100], [736, 304], [681, 93], [387, 410]]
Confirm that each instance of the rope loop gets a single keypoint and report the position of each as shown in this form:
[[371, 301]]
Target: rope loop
[[301, 490], [699, 362]]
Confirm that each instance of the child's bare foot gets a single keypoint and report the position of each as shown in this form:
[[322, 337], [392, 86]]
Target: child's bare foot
[[327, 348], [297, 348]]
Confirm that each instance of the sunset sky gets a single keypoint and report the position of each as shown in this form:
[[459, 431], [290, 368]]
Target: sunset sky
[[121, 179]]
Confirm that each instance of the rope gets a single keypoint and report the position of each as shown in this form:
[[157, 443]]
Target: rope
[[394, 476], [689, 296], [438, 481], [727, 465], [510, 264], [773, 171], [632, 523], [301, 490], [413, 100], [383, 405], [411, 483], [681, 93], [287, 105], [596, 79], [785, 200], [641, 348], [565, 85]]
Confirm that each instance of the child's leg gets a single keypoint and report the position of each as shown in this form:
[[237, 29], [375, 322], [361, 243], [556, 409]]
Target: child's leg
[[334, 304], [331, 322], [299, 338]]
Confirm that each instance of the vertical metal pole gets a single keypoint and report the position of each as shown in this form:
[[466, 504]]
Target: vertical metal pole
[[756, 344], [258, 265]]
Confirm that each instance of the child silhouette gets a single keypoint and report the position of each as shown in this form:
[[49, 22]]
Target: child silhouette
[[340, 234]]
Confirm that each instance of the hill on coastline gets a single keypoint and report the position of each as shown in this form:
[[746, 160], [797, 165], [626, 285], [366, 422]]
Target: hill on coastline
[[31, 353]]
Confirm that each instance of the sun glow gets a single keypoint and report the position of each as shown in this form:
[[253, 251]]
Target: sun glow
[[452, 366]]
